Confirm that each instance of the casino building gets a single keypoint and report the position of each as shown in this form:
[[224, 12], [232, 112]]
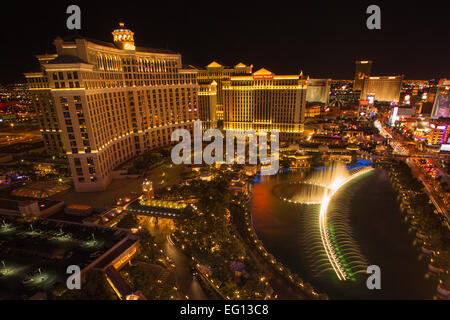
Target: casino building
[[441, 106], [109, 102], [218, 73], [264, 101], [439, 132], [382, 88], [363, 69]]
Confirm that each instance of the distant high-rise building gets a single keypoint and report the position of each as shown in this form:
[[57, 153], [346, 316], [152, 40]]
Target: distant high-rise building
[[318, 90], [264, 101], [441, 107], [385, 88], [113, 101], [362, 69], [218, 73]]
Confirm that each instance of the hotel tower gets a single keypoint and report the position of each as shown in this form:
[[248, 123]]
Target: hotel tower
[[264, 101], [104, 103], [211, 82], [363, 69]]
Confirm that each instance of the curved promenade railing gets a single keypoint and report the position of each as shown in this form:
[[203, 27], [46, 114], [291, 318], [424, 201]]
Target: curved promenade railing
[[291, 278]]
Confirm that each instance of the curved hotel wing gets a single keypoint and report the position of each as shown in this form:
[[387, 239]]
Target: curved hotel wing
[[264, 101], [112, 102]]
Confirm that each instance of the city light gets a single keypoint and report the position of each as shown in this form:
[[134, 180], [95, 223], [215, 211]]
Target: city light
[[120, 176]]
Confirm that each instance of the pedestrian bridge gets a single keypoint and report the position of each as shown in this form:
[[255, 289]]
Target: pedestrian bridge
[[158, 208]]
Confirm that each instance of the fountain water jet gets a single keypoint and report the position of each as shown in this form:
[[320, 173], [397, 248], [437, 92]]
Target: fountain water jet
[[329, 176], [338, 251], [312, 190]]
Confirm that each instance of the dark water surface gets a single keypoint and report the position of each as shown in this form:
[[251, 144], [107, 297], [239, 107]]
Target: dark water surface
[[290, 233]]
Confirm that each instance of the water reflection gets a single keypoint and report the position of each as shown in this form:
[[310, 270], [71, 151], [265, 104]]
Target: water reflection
[[368, 205]]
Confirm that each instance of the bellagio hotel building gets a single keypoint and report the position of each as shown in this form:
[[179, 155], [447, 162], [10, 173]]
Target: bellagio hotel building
[[104, 103]]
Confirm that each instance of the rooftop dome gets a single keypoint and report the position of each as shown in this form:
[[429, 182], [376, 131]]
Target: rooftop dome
[[123, 37]]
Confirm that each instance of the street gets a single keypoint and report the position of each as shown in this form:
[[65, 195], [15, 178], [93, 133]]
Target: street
[[187, 284], [399, 148]]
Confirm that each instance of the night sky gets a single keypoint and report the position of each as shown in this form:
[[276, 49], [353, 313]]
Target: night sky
[[322, 38]]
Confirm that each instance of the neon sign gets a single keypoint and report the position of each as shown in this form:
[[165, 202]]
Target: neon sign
[[263, 76]]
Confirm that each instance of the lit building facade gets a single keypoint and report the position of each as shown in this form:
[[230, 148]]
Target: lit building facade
[[264, 101], [439, 132], [402, 114], [383, 88], [218, 73], [342, 90], [367, 108], [318, 90], [363, 69], [312, 111], [441, 106], [207, 101], [45, 108], [115, 101]]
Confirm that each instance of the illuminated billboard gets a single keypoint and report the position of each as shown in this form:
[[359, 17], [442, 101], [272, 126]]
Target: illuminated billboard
[[445, 147], [441, 107], [407, 99], [394, 116]]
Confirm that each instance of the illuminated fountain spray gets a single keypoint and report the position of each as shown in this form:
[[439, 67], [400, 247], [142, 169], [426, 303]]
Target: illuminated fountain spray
[[331, 246], [337, 240], [341, 234], [312, 190], [308, 194], [329, 176]]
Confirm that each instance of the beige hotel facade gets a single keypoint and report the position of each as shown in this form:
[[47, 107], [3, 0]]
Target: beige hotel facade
[[109, 102], [212, 79], [264, 101], [102, 103]]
